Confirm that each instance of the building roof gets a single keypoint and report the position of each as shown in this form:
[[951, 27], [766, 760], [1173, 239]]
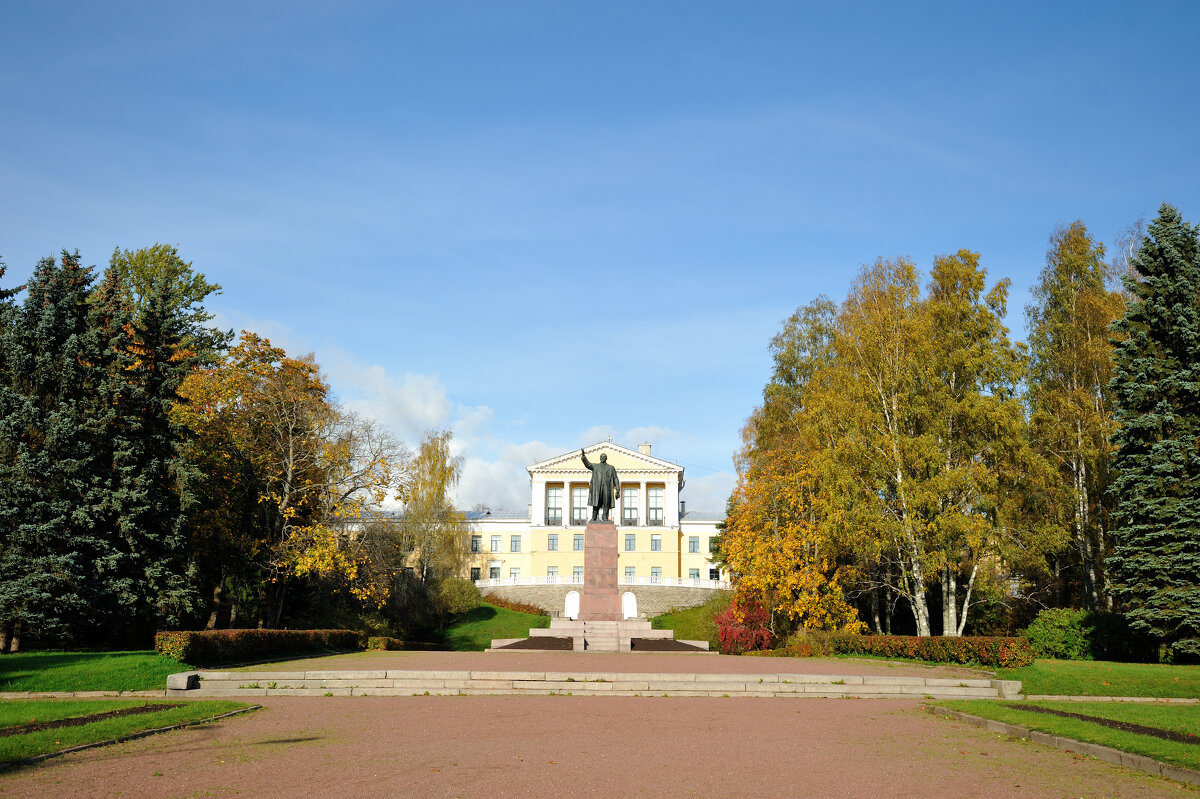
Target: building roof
[[629, 456], [499, 513], [701, 516]]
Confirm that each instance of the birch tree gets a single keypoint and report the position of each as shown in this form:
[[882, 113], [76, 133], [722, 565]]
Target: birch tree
[[925, 438], [1071, 366], [435, 535]]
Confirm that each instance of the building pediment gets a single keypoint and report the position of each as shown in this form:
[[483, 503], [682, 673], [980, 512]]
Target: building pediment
[[622, 459]]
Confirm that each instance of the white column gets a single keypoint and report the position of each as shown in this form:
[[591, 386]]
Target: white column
[[537, 511], [568, 502], [671, 500], [643, 501]]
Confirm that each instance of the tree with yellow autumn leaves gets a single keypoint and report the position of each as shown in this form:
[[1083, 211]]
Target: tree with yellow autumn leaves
[[290, 477], [895, 437], [772, 540]]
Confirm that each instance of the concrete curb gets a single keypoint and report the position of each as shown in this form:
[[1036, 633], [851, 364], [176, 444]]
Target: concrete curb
[[1105, 753], [155, 694], [1148, 700], [399, 682], [131, 737]]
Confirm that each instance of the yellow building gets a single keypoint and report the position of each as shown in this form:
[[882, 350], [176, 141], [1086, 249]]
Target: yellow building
[[659, 542]]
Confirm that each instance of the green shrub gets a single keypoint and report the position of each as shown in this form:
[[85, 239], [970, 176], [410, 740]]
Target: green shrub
[[455, 595], [386, 643], [997, 651], [1060, 633], [802, 644], [1068, 634], [218, 647]]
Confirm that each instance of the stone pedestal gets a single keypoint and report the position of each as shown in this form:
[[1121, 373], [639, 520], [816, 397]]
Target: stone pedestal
[[599, 600]]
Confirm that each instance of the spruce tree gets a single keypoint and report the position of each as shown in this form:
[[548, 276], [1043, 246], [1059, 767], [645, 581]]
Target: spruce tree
[[144, 477], [52, 552], [8, 311], [1155, 564]]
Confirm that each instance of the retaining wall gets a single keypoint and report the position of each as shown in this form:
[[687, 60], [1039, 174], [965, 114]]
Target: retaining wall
[[652, 600]]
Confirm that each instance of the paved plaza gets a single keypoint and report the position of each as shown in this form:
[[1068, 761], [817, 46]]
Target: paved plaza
[[613, 746]]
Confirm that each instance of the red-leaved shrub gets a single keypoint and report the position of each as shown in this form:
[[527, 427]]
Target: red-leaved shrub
[[1003, 652], [742, 627], [512, 604]]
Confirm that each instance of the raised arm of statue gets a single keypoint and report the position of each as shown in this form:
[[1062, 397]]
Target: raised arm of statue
[[586, 462]]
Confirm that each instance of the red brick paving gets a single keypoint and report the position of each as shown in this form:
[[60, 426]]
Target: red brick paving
[[330, 748]]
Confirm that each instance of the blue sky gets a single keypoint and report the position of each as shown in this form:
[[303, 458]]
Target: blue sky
[[545, 223]]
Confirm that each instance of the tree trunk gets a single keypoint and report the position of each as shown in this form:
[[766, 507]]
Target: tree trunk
[[1083, 540], [14, 639], [211, 624], [916, 592], [949, 601], [888, 607], [920, 609], [966, 606], [233, 606], [5, 637], [876, 624], [275, 596]]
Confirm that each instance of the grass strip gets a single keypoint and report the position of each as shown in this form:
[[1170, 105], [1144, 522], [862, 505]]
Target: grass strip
[[86, 671], [16, 749], [78, 721], [1183, 719], [1127, 726], [474, 630], [1105, 678]]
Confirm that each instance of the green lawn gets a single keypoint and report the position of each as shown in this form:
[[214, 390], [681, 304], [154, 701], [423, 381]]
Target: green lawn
[[14, 712], [1104, 678], [694, 624], [474, 630], [86, 671], [1179, 718]]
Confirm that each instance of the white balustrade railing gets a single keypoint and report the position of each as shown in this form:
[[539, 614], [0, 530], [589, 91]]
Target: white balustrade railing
[[674, 582]]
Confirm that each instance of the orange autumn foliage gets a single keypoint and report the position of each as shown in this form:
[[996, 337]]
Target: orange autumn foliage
[[775, 548]]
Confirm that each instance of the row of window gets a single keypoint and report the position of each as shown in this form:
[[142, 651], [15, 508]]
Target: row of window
[[629, 505], [577, 573], [514, 543]]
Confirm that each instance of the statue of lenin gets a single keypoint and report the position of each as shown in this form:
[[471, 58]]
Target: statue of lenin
[[604, 488]]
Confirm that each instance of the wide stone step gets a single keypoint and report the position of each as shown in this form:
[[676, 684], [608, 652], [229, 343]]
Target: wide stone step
[[409, 682]]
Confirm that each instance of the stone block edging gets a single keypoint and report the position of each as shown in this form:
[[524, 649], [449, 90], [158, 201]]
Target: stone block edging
[[617, 683], [1105, 753]]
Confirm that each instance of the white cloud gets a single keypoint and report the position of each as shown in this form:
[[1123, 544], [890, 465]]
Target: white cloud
[[493, 467], [708, 492], [601, 432], [628, 438], [501, 482], [408, 406]]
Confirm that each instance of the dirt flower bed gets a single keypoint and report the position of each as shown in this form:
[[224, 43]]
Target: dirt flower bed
[[79, 721], [1124, 726]]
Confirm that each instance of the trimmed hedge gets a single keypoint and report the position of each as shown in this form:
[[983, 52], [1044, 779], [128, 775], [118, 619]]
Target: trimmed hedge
[[218, 647], [385, 643], [1003, 652]]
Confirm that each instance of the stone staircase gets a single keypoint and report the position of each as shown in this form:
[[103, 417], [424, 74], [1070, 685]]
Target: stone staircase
[[598, 636], [412, 683]]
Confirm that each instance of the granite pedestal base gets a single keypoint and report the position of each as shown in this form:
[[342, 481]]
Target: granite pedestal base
[[599, 600]]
